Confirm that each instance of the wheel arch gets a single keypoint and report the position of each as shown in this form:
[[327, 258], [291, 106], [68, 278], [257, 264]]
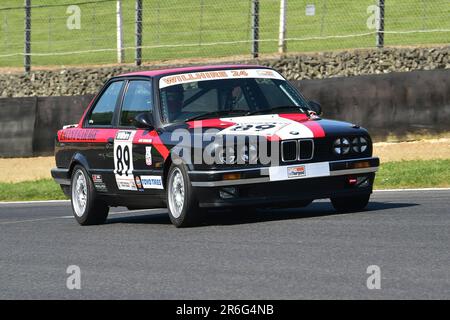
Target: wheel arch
[[78, 159]]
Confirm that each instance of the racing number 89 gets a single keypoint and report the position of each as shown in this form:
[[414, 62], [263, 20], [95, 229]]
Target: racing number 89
[[260, 127], [123, 159]]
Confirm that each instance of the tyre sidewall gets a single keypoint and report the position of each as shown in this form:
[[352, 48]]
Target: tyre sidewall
[[190, 202], [90, 194]]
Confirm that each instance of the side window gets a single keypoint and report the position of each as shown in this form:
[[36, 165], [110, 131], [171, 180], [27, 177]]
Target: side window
[[103, 111], [138, 99]]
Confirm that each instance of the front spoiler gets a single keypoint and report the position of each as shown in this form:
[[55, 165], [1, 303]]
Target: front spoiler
[[272, 174]]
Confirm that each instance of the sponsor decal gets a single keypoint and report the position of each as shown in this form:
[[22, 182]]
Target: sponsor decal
[[98, 183], [215, 75], [152, 182], [143, 140], [97, 178], [308, 170], [294, 172], [148, 156], [138, 182], [265, 73], [123, 135], [79, 134], [126, 183]]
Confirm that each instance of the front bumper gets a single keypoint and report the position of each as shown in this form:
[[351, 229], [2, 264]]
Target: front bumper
[[284, 184]]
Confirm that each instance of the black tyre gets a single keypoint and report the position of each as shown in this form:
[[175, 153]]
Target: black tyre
[[350, 204], [87, 208], [181, 200]]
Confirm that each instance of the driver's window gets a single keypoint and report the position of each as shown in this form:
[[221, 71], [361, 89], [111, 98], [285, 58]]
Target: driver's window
[[103, 112], [138, 99]]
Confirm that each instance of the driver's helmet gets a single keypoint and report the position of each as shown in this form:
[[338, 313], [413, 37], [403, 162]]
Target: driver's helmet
[[174, 98]]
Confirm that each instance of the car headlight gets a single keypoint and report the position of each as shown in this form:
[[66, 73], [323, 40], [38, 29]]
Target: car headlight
[[227, 155], [341, 146], [359, 144], [248, 154]]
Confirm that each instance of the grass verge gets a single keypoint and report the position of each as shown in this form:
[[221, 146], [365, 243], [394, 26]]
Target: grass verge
[[400, 174], [44, 189], [414, 174]]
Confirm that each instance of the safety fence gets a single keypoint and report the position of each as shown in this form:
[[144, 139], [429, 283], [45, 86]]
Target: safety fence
[[80, 32]]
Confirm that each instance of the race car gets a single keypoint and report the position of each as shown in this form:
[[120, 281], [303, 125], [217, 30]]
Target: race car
[[197, 138]]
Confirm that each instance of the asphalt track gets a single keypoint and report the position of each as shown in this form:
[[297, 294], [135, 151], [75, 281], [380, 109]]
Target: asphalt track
[[307, 253]]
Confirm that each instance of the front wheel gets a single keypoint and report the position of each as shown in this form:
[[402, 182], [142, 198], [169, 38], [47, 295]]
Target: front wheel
[[181, 201], [350, 204], [87, 208]]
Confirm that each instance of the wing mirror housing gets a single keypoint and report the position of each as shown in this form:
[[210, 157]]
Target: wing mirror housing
[[315, 106], [144, 120]]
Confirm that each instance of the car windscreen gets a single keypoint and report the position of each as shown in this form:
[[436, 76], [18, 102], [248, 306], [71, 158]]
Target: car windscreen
[[227, 97]]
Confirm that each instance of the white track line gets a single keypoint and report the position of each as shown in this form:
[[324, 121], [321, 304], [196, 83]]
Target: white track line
[[71, 217], [418, 189], [34, 202], [68, 201]]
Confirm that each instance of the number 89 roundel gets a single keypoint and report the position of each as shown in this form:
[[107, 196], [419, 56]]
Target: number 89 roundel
[[123, 160]]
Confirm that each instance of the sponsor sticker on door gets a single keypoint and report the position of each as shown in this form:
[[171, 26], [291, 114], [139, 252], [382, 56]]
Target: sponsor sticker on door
[[152, 182], [148, 156]]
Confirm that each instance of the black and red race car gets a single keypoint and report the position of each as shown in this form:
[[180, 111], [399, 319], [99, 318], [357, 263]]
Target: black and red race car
[[209, 137]]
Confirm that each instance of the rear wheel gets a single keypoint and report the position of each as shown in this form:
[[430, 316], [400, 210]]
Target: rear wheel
[[350, 204], [87, 208], [181, 201]]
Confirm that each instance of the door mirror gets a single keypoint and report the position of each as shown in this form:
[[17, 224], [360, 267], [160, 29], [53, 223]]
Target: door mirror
[[315, 106], [144, 120]]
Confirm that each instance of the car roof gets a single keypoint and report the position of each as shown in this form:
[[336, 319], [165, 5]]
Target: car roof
[[162, 72]]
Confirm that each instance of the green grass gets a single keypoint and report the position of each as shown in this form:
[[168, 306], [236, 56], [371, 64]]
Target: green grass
[[45, 189], [175, 22], [404, 174], [413, 174]]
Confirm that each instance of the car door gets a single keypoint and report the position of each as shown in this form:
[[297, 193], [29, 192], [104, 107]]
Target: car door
[[136, 161], [99, 122]]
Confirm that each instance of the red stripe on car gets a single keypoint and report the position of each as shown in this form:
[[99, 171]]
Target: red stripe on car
[[210, 123], [158, 144], [315, 127], [294, 116], [312, 125]]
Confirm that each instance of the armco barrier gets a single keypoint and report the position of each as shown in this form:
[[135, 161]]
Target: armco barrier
[[52, 113], [394, 103], [17, 119]]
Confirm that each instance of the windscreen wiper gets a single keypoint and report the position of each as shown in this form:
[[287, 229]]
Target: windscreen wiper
[[296, 108], [216, 114]]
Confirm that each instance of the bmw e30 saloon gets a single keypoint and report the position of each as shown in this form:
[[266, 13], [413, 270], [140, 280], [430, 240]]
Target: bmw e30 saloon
[[195, 138]]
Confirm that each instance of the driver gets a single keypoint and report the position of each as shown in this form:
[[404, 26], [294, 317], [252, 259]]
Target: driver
[[174, 99]]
